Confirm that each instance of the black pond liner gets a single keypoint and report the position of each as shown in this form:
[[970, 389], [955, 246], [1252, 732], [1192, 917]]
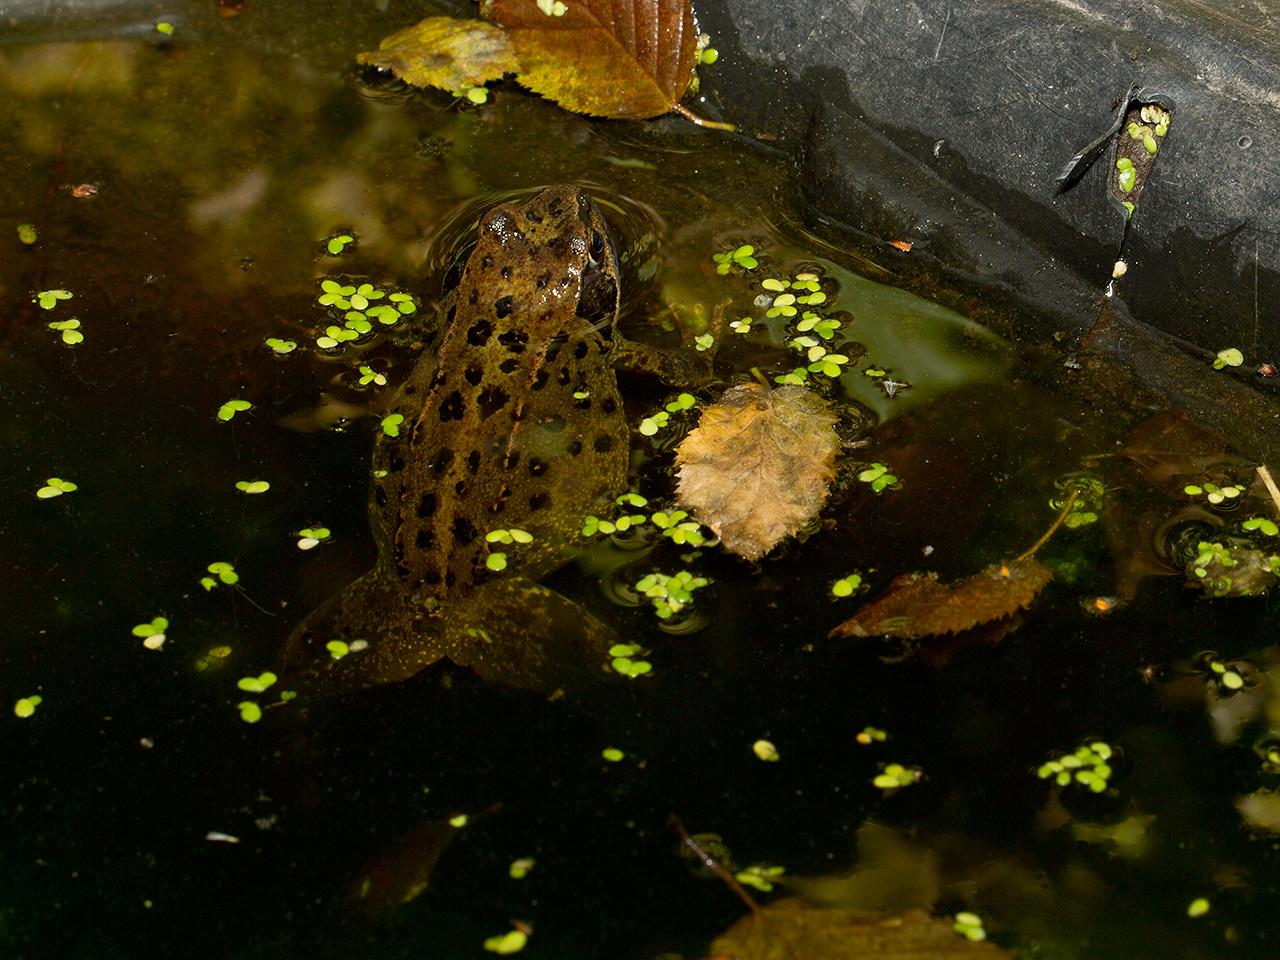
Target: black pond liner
[[948, 124]]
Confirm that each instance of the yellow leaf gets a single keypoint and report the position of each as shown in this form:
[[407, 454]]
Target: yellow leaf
[[446, 53]]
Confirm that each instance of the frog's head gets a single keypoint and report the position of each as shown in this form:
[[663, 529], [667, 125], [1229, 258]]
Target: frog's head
[[541, 254]]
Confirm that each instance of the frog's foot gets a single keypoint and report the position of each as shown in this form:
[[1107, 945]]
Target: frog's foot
[[689, 366], [516, 632], [364, 636]]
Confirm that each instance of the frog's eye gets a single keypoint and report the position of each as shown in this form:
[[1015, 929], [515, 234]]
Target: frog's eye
[[597, 243]]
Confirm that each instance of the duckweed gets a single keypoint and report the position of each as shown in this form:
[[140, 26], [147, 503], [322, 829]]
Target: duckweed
[[259, 684], [311, 537], [766, 751], [624, 660], [153, 633], [519, 869], [336, 244], [337, 649], [27, 233], [869, 735], [742, 257], [229, 409], [878, 477], [26, 706], [1088, 766], [223, 571], [165, 27], [847, 586], [513, 941], [896, 775], [969, 926], [56, 487], [1230, 357], [1198, 907], [48, 299], [612, 754], [250, 712], [369, 375], [496, 562], [760, 876], [391, 424], [70, 330], [508, 536], [280, 347], [253, 486]]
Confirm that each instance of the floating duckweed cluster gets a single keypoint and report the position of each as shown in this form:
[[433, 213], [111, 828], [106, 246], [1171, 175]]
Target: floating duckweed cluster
[[798, 300], [1126, 175], [1230, 357], [311, 537], [869, 735], [1088, 766], [56, 487], [760, 876], [969, 926], [626, 659], [1261, 525], [48, 299], [229, 409], [847, 586], [496, 561], [742, 257], [69, 329], [894, 776], [650, 425], [340, 648], [354, 308], [279, 346], [391, 424], [1232, 569], [670, 594], [335, 245], [1228, 677], [1214, 494], [152, 634], [223, 571], [878, 477], [368, 376]]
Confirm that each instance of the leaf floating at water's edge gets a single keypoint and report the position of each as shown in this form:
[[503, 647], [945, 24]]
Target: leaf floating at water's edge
[[759, 465], [916, 605], [627, 59], [790, 928], [446, 53]]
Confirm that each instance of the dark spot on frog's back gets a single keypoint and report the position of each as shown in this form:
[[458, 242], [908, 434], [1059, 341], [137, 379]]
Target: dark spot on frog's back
[[491, 400], [603, 443], [503, 306], [451, 407], [479, 332]]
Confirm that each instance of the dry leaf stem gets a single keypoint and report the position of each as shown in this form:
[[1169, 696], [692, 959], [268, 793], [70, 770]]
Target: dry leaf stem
[[1053, 528], [1272, 489], [714, 866]]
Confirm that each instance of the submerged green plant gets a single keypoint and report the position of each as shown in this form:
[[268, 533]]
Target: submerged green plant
[[1089, 766]]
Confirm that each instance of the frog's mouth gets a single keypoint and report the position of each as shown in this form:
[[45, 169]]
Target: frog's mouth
[[598, 301]]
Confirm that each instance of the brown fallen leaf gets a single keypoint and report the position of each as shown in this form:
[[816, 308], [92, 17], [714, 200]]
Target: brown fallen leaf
[[916, 605], [789, 929], [446, 53], [759, 465], [628, 59]]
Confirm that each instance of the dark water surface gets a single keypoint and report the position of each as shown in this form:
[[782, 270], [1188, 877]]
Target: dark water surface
[[219, 173]]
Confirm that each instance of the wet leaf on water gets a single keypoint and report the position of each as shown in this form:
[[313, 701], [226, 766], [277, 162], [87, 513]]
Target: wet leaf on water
[[1170, 444], [916, 605], [446, 53], [609, 58], [792, 928], [759, 465]]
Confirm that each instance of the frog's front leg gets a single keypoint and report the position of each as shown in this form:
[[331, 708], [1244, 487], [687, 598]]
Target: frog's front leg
[[687, 366]]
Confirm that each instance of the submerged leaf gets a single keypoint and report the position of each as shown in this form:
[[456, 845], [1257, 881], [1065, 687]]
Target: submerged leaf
[[446, 53], [610, 58], [790, 928], [758, 466], [916, 605]]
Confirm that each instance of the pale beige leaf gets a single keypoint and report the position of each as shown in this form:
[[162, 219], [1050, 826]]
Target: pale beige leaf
[[759, 465]]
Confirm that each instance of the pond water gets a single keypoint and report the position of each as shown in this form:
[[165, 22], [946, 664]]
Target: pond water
[[145, 816]]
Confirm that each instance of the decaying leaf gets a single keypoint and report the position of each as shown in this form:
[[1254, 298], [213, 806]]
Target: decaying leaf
[[446, 53], [787, 929], [916, 605], [608, 58], [758, 466]]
